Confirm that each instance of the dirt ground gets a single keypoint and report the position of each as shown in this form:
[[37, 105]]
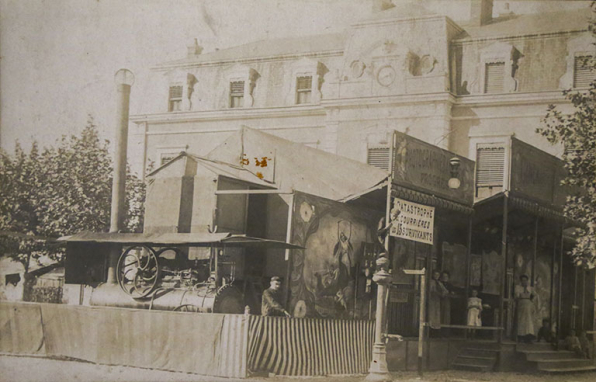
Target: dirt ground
[[33, 369]]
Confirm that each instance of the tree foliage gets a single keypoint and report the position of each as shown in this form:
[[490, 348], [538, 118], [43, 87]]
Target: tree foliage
[[60, 191], [577, 132]]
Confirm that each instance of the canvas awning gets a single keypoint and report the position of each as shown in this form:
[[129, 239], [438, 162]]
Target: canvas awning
[[177, 240]]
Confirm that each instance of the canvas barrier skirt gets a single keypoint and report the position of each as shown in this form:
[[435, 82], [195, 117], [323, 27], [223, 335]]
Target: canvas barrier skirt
[[302, 346], [222, 345], [207, 344]]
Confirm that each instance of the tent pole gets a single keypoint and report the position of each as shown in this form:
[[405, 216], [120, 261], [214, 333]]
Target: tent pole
[[503, 264]]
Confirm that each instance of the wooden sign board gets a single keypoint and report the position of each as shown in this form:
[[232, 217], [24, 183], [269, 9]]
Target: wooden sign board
[[424, 167]]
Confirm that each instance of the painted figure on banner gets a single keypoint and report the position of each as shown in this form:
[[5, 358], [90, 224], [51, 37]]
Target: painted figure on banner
[[524, 294], [336, 281], [329, 276]]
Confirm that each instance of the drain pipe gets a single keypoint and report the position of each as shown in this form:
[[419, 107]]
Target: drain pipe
[[124, 80]]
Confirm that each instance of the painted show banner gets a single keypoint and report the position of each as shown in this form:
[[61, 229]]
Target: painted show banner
[[412, 221], [421, 166]]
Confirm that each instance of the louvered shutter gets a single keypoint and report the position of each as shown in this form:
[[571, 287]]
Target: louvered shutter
[[494, 76], [378, 157], [237, 88], [175, 92], [490, 166], [582, 73]]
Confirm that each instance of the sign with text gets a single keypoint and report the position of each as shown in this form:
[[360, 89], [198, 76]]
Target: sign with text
[[421, 166], [412, 221]]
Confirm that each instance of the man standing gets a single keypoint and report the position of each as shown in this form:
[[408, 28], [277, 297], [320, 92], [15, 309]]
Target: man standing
[[270, 305]]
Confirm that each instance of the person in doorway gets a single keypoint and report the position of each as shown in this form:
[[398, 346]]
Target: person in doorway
[[437, 291], [271, 303], [586, 346], [446, 297], [545, 332], [474, 311], [524, 294], [573, 344]]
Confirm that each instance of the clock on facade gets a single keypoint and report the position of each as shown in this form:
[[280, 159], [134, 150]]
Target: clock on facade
[[386, 75]]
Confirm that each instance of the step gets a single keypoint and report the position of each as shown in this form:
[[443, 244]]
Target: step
[[479, 352], [534, 347], [475, 361], [568, 370], [476, 357], [564, 363], [470, 367], [547, 355]]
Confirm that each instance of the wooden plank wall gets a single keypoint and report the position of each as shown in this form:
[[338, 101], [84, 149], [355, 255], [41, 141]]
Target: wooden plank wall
[[309, 347]]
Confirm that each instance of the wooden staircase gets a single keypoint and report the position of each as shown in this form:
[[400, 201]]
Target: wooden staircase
[[477, 357], [541, 357]]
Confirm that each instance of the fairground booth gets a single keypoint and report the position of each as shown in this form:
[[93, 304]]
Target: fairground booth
[[430, 208], [519, 231], [186, 293]]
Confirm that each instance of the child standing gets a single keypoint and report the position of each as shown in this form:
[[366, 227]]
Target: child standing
[[474, 310]]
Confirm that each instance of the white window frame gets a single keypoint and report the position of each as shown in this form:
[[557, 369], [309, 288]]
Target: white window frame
[[249, 76], [298, 91], [179, 100], [502, 140], [303, 68]]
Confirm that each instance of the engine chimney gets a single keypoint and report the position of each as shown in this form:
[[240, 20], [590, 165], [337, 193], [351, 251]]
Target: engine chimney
[[481, 12], [193, 48], [124, 80]]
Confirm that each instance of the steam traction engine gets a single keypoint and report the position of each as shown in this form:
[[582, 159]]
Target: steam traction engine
[[154, 271]]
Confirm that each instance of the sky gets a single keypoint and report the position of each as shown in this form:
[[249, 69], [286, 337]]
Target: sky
[[58, 57]]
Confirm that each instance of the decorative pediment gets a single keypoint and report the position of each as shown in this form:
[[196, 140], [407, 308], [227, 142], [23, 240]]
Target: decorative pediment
[[504, 53]]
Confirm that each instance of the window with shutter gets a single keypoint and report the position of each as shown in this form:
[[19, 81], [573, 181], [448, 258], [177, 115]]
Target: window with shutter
[[175, 98], [236, 94], [494, 77], [490, 169], [583, 75], [303, 89], [378, 157]]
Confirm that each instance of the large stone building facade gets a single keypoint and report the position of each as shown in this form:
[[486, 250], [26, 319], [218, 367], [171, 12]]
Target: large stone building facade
[[465, 86]]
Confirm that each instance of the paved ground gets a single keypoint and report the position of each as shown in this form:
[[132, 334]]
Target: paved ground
[[35, 369]]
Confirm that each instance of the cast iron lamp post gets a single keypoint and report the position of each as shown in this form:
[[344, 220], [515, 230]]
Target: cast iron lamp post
[[378, 370]]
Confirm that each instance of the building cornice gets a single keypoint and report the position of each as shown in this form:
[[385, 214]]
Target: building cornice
[[398, 20], [279, 57], [367, 102], [474, 40], [510, 99], [480, 100], [230, 114]]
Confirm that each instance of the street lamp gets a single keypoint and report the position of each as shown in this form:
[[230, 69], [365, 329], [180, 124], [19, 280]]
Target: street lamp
[[378, 370], [454, 181]]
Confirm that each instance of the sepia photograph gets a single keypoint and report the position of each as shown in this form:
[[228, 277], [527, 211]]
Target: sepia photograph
[[282, 190]]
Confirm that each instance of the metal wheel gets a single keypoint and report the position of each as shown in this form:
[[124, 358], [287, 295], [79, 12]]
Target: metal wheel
[[138, 271]]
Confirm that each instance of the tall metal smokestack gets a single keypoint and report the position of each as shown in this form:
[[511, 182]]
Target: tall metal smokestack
[[124, 80]]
